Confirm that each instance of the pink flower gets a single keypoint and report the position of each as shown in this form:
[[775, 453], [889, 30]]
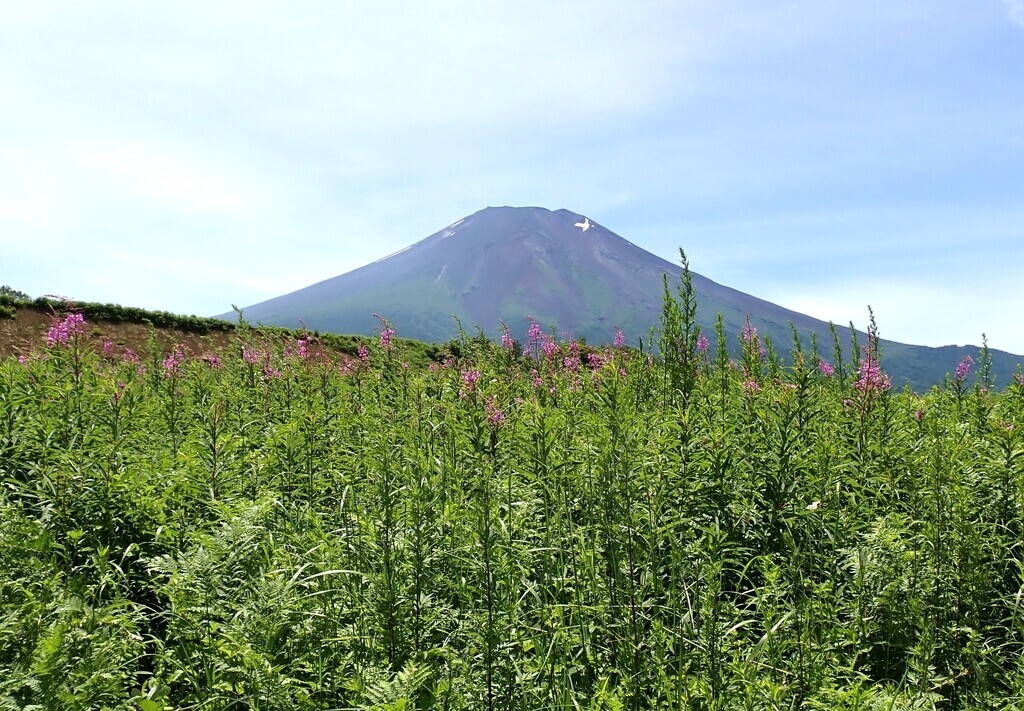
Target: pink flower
[[386, 332], [364, 353], [507, 342], [703, 344], [963, 369], [108, 347], [750, 387], [535, 333], [751, 340], [63, 330], [825, 368], [173, 362], [250, 356], [495, 417], [130, 356], [870, 375], [749, 332], [620, 340], [918, 415], [119, 391]]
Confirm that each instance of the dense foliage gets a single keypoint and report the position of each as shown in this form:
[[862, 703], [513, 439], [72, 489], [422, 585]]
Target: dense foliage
[[562, 527]]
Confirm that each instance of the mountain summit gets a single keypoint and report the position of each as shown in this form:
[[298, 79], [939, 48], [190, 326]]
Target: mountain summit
[[561, 268], [506, 264]]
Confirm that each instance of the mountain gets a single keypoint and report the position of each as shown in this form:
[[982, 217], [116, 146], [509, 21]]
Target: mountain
[[508, 263]]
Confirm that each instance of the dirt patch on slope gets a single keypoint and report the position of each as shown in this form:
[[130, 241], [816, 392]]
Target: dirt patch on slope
[[27, 332]]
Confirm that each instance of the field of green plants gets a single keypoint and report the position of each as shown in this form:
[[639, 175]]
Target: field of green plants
[[717, 523]]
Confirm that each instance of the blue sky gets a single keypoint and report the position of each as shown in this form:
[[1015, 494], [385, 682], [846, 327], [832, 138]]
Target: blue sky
[[823, 155]]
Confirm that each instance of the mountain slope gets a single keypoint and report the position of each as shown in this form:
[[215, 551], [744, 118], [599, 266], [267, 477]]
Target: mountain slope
[[507, 263]]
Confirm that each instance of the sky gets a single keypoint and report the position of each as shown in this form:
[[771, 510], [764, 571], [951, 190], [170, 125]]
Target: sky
[[826, 156]]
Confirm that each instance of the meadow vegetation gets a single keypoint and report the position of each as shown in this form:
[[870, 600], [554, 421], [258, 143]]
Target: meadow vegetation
[[704, 525]]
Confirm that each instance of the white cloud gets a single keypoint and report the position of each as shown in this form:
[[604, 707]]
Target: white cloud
[[1016, 10], [915, 309]]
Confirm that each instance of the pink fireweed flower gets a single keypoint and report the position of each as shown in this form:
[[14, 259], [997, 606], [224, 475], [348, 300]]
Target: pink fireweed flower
[[386, 332], [213, 361], [963, 369], [469, 380], [63, 330], [250, 356], [130, 356], [535, 334], [108, 347], [594, 360], [507, 342], [495, 417], [918, 415], [749, 332], [571, 363], [703, 344], [750, 387], [348, 365], [364, 353], [870, 375], [549, 347], [825, 368], [119, 391], [751, 341], [173, 362], [620, 340]]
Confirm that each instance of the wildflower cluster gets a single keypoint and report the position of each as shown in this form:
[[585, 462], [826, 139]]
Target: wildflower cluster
[[264, 359], [63, 330], [507, 342], [386, 332], [495, 417], [174, 361], [963, 369], [825, 368], [870, 378]]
